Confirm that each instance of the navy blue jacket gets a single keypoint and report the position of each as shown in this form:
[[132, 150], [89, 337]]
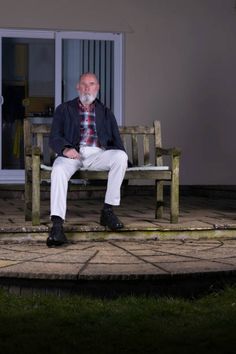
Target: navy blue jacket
[[65, 131]]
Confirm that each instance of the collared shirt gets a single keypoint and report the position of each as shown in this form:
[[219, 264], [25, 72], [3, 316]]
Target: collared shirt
[[88, 131]]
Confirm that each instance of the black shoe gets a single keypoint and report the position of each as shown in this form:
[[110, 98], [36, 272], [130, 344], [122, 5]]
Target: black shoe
[[108, 218], [56, 236]]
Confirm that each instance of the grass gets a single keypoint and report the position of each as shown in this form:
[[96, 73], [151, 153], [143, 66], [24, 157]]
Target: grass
[[47, 324]]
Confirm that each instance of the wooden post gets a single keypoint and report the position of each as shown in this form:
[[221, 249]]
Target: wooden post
[[28, 170], [175, 189], [36, 186], [159, 200], [159, 162]]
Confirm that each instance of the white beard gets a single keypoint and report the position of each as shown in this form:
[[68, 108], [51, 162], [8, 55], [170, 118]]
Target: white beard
[[87, 98]]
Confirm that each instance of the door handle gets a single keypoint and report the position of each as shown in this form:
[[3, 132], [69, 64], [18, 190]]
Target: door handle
[[1, 100]]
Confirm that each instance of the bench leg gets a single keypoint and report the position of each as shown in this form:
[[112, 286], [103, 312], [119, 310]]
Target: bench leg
[[159, 199], [174, 213], [28, 201], [28, 172], [36, 190], [28, 189], [124, 187]]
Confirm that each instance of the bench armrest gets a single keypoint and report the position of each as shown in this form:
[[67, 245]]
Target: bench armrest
[[28, 150], [32, 150], [171, 151], [36, 150]]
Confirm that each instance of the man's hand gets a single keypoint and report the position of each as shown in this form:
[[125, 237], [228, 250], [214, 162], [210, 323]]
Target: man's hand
[[71, 153]]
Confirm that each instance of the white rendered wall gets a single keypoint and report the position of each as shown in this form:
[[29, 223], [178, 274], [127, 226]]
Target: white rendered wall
[[180, 67]]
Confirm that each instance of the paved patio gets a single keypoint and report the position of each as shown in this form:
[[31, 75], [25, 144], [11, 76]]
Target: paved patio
[[148, 256], [112, 268], [199, 217]]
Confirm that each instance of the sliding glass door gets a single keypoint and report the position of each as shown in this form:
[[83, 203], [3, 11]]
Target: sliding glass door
[[27, 88], [101, 53], [38, 71]]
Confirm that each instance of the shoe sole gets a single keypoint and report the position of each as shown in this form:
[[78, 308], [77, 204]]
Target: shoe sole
[[111, 228], [53, 243]]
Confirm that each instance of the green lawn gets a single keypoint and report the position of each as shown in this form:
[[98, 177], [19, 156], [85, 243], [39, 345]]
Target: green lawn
[[47, 324]]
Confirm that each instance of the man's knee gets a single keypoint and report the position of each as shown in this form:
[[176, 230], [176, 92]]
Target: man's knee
[[121, 158], [58, 171]]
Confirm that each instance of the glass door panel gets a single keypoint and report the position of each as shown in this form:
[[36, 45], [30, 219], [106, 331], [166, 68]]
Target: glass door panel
[[100, 53], [28, 76], [80, 56]]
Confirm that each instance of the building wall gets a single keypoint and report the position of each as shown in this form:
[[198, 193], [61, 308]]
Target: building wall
[[179, 68]]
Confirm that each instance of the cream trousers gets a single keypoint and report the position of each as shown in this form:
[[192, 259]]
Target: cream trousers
[[92, 158]]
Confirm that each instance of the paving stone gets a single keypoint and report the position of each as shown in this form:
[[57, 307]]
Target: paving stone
[[68, 257], [165, 258], [121, 269], [5, 263], [197, 266], [111, 259], [41, 270]]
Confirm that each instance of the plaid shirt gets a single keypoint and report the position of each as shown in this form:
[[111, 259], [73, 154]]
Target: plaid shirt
[[88, 132]]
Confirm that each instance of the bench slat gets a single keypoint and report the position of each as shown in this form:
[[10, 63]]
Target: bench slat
[[39, 141], [146, 152], [134, 140], [136, 130], [41, 128], [130, 174], [158, 141]]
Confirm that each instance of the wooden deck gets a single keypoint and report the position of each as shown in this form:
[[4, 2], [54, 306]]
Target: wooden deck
[[199, 217]]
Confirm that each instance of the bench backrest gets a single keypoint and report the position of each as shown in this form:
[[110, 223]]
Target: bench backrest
[[139, 141]]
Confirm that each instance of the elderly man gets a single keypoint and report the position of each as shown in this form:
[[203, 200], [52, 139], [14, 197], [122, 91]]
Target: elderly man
[[84, 133]]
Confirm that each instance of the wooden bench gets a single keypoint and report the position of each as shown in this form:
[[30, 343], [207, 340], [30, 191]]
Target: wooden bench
[[144, 148]]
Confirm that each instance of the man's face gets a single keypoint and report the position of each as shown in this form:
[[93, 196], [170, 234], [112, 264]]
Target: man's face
[[87, 88]]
